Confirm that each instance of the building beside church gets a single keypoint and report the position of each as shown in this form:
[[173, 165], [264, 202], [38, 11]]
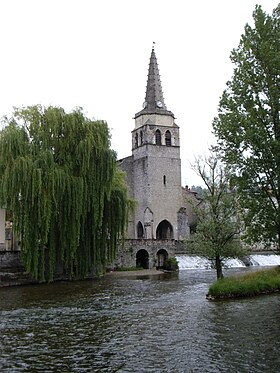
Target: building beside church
[[153, 171]]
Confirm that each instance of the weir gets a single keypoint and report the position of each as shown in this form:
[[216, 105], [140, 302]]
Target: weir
[[197, 262]]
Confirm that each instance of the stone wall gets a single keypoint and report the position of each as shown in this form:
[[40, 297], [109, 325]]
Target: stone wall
[[127, 252], [12, 271], [10, 260]]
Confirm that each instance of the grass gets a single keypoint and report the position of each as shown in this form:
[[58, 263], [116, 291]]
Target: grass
[[247, 285]]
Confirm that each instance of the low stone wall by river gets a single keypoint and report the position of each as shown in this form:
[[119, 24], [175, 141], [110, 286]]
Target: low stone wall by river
[[10, 260]]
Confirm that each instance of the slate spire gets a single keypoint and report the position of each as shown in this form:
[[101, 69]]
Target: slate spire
[[154, 101], [154, 97]]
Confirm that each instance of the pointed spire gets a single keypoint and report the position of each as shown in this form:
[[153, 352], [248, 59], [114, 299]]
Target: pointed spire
[[154, 97], [154, 101]]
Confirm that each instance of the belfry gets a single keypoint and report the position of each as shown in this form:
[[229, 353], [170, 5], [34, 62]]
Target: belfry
[[153, 171]]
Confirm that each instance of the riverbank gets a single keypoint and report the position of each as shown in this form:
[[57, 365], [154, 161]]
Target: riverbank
[[261, 282], [10, 279]]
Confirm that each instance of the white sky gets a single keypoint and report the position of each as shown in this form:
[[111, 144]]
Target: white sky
[[95, 54]]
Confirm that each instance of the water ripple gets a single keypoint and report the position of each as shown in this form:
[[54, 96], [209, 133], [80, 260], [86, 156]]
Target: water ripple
[[136, 325]]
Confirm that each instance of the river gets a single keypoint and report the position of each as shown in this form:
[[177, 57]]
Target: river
[[159, 323]]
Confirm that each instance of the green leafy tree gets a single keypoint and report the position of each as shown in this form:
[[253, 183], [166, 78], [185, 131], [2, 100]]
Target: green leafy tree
[[248, 126], [58, 176], [217, 233]]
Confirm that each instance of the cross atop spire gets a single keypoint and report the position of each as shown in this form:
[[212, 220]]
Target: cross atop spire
[[154, 101]]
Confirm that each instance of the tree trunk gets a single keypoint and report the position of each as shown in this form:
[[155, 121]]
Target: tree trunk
[[219, 269], [278, 244]]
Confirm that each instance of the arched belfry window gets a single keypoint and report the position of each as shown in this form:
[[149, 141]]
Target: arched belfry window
[[168, 138], [136, 140], [158, 137]]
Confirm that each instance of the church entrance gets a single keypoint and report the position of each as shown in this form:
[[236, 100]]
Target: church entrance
[[142, 259], [162, 255], [164, 231]]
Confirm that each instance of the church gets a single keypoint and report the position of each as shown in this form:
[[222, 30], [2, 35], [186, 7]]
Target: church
[[153, 172]]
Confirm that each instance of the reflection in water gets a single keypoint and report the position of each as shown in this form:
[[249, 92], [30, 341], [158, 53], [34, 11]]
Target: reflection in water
[[154, 324]]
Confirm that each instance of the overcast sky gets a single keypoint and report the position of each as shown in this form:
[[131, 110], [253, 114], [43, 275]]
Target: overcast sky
[[95, 54]]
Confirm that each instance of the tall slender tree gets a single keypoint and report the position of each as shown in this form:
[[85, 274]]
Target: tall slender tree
[[218, 229], [58, 176], [248, 126]]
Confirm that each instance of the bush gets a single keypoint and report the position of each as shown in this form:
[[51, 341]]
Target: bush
[[171, 264]]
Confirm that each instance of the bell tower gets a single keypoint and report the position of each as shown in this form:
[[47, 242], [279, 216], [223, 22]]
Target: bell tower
[[156, 176]]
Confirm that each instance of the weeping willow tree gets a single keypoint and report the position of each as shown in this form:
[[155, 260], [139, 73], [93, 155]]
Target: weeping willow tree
[[59, 177]]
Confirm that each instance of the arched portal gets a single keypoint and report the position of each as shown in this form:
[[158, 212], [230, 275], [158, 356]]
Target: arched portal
[[140, 230], [142, 259], [162, 255], [164, 230]]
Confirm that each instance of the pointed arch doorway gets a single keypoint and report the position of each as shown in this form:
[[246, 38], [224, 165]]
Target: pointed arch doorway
[[164, 231]]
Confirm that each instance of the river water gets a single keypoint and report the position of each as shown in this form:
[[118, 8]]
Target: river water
[[159, 323]]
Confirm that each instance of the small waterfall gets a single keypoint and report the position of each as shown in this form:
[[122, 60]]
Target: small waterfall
[[235, 263], [198, 262], [264, 260], [193, 262]]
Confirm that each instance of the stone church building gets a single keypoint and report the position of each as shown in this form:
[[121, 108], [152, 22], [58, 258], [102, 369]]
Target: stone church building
[[153, 174]]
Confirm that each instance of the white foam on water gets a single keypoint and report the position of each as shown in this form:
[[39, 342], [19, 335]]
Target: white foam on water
[[264, 260], [198, 262], [193, 262], [234, 263]]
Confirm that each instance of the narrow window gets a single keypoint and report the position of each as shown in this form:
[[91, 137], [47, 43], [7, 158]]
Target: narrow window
[[141, 138], [158, 137], [140, 230], [164, 180], [167, 138], [136, 140]]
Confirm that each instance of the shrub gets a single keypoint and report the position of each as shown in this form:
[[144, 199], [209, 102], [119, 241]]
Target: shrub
[[171, 264]]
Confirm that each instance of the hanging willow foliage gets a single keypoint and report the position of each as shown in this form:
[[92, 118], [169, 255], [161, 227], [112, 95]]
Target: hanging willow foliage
[[60, 179]]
